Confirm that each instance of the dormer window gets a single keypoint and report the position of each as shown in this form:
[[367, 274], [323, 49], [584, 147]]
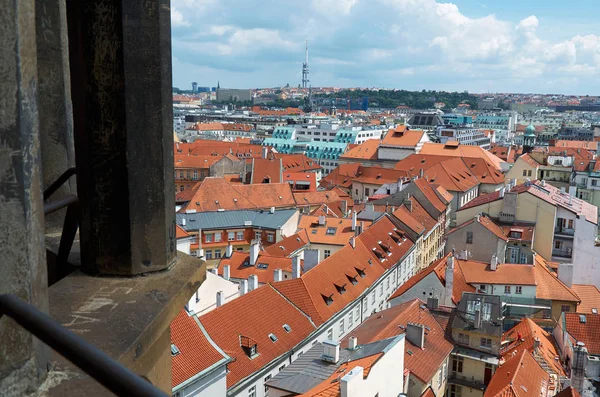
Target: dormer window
[[360, 272], [352, 280], [327, 299], [249, 346], [340, 289]]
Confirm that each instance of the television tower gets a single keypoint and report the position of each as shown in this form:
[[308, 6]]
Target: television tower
[[305, 68]]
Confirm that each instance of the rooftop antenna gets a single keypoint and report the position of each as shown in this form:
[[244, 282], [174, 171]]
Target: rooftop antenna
[[305, 68]]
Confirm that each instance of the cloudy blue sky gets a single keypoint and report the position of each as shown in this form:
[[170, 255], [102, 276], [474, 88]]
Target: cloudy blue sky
[[544, 46]]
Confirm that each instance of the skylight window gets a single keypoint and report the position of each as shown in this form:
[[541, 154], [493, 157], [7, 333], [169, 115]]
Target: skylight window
[[174, 350], [273, 338], [262, 266], [327, 299], [331, 230], [287, 328]]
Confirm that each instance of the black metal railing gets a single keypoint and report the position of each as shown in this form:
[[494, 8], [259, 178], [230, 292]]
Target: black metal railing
[[109, 373]]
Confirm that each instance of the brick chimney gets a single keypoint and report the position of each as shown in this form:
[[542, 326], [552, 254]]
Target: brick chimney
[[449, 276]]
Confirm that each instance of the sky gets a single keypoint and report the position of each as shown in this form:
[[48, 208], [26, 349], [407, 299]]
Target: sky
[[520, 46]]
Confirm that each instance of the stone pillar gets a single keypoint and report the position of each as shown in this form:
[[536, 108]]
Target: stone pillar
[[22, 253], [120, 56], [54, 99]]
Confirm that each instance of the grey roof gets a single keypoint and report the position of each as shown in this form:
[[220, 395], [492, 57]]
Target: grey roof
[[465, 320], [309, 370], [262, 219]]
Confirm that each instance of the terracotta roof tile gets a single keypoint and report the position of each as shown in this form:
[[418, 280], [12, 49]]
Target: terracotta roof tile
[[589, 296], [406, 217], [266, 170], [379, 175], [402, 136], [316, 198], [287, 246], [196, 352], [341, 175], [440, 203], [297, 162], [463, 151], [505, 274], [486, 222], [522, 337], [422, 363], [249, 317], [335, 231], [548, 284], [264, 268], [591, 145], [421, 215], [568, 392], [521, 376], [365, 151], [194, 161], [180, 233], [587, 332]]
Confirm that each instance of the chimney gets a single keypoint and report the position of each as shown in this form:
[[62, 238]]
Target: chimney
[[182, 221], [400, 182], [278, 276], [226, 273], [228, 251], [219, 298], [360, 228], [352, 242], [350, 384], [536, 343], [354, 217], [477, 323], [331, 351], [272, 210], [352, 343], [432, 303], [214, 271], [421, 173], [322, 220], [415, 333], [265, 151], [253, 282], [502, 191], [254, 250], [449, 288], [477, 217], [570, 200], [543, 183], [464, 254], [344, 208], [296, 267], [565, 273], [494, 263], [408, 202], [243, 287]]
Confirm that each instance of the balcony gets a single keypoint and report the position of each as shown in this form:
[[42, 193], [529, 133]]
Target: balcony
[[564, 231], [467, 381], [566, 253]]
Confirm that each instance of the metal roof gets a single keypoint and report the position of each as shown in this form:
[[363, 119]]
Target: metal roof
[[309, 369], [263, 219]]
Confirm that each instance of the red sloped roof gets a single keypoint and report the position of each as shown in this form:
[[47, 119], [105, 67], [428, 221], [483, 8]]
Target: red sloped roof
[[288, 245], [423, 363], [255, 316], [262, 169], [587, 332], [521, 376], [196, 351], [264, 268], [180, 233]]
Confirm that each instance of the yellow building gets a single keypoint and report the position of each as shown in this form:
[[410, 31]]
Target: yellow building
[[525, 167]]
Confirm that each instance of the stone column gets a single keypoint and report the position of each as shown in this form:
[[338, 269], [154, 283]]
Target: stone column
[[120, 55], [54, 98], [22, 253]]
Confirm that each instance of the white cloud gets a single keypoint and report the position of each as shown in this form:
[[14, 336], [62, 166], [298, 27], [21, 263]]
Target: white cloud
[[333, 7], [177, 19]]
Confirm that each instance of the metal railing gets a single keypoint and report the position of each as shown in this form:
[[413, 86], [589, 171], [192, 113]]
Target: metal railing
[[563, 253], [564, 230], [109, 373]]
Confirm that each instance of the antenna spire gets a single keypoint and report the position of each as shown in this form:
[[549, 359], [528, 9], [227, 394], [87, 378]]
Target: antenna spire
[[305, 80]]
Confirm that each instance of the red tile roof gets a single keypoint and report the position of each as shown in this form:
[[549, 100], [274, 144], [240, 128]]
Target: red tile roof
[[194, 161], [568, 392], [486, 222], [403, 137], [422, 363], [590, 145], [365, 151], [341, 175], [450, 173], [307, 181], [589, 296], [421, 215], [548, 284], [340, 230], [266, 169], [255, 316], [297, 162], [441, 201], [521, 376], [379, 175], [180, 233], [505, 274], [462, 151], [197, 353], [407, 218], [530, 161], [316, 198], [264, 268], [522, 337], [288, 245], [587, 332]]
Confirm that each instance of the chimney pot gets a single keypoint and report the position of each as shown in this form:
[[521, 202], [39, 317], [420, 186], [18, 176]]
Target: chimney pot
[[219, 298], [278, 276], [226, 272], [352, 343], [253, 282], [243, 287], [296, 269]]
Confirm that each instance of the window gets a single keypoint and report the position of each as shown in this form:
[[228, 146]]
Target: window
[[518, 289], [239, 236], [486, 313], [330, 334], [326, 254], [457, 364], [273, 338], [217, 237], [267, 378], [387, 283], [594, 182], [350, 319], [565, 308], [455, 391], [365, 306], [252, 391], [570, 224], [486, 343], [367, 191], [557, 244], [507, 289], [174, 350], [195, 174], [357, 314], [342, 328], [208, 254], [270, 238], [181, 188], [180, 174], [463, 339], [373, 298], [230, 236], [217, 254], [524, 172], [440, 375], [282, 368], [208, 238], [482, 287], [469, 237], [356, 190], [529, 173], [331, 230], [523, 258], [258, 235]]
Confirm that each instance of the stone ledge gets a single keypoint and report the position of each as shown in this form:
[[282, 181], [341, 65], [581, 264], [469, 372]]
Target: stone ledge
[[125, 317]]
